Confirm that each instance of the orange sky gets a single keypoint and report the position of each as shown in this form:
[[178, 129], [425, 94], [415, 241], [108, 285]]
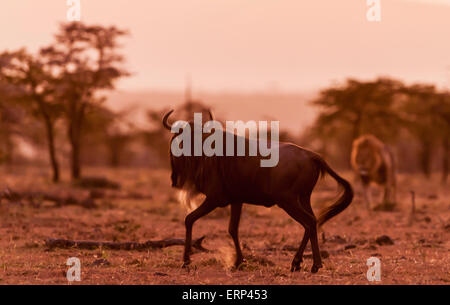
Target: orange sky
[[254, 44]]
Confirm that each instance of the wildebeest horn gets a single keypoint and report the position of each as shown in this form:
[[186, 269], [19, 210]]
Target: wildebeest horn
[[165, 123], [211, 116]]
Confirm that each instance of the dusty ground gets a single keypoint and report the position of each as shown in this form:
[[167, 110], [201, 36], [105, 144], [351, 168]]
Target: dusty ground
[[146, 208]]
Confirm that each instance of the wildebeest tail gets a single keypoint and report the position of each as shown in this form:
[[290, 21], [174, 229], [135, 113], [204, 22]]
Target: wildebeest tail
[[344, 200]]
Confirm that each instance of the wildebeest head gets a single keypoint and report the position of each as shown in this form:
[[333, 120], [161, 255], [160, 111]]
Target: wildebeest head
[[186, 170]]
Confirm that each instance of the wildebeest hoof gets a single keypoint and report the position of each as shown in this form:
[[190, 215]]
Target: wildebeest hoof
[[315, 268], [186, 264], [238, 264], [295, 267]]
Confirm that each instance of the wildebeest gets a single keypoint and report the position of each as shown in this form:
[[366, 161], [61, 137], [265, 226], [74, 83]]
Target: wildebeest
[[373, 161], [234, 180]]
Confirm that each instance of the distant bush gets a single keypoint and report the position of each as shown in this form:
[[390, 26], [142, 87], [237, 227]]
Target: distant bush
[[97, 182]]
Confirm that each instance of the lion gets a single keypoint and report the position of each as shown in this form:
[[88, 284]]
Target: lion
[[373, 161]]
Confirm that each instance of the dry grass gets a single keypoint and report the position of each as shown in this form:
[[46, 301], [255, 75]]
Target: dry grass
[[145, 207]]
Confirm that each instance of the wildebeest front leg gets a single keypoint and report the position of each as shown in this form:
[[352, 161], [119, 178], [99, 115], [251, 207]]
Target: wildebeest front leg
[[233, 229], [206, 207]]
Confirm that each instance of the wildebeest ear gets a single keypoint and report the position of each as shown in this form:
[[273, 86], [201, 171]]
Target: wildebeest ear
[[166, 117], [211, 116]]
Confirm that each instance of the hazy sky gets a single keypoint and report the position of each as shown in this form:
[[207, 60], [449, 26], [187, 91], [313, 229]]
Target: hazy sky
[[254, 44]]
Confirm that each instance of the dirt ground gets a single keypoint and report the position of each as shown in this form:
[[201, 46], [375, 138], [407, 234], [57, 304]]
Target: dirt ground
[[146, 208]]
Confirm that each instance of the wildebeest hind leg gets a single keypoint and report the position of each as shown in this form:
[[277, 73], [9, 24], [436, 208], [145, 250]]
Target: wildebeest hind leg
[[233, 229], [298, 258], [308, 221], [206, 207], [305, 201]]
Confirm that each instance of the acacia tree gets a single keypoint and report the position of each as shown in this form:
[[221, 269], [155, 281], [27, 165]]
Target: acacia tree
[[426, 114], [444, 113], [112, 129], [356, 108], [442, 109], [360, 105], [84, 60], [33, 87], [10, 119]]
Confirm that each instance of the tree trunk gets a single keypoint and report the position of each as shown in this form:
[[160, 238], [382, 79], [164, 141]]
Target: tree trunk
[[425, 157], [9, 150], [51, 148], [445, 159], [357, 127], [114, 152], [75, 119], [356, 133], [49, 126], [75, 155]]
